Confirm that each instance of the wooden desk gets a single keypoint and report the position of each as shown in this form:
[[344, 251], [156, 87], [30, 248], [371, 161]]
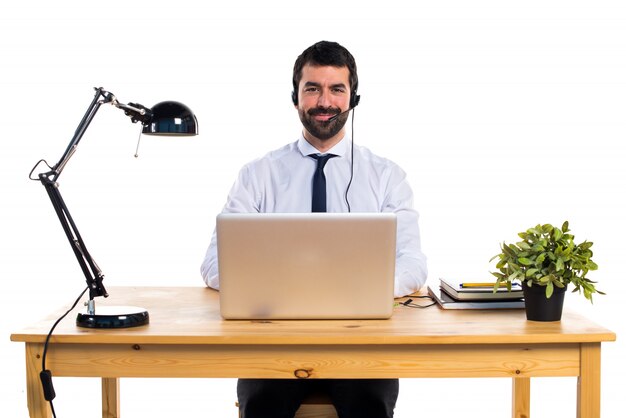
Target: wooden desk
[[187, 338]]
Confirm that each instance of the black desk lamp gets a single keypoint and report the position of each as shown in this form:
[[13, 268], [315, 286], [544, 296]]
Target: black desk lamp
[[165, 118]]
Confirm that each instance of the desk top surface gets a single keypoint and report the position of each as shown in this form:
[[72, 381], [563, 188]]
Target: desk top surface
[[190, 315]]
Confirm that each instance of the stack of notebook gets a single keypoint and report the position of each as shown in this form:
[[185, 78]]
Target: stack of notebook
[[454, 294]]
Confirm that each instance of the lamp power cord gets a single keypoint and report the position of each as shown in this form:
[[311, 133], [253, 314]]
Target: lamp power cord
[[46, 375]]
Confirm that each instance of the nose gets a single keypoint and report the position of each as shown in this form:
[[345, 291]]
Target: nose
[[324, 98]]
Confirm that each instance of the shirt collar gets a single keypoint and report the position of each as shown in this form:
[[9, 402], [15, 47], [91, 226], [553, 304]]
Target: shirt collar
[[339, 149]]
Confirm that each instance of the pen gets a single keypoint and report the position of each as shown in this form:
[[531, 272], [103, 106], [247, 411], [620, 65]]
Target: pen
[[482, 285]]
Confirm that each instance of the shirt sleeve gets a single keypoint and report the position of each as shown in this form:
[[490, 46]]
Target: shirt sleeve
[[411, 269], [241, 199]]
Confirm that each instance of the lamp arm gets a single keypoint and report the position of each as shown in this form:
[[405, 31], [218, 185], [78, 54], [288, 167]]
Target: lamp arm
[[92, 272], [137, 113], [80, 130]]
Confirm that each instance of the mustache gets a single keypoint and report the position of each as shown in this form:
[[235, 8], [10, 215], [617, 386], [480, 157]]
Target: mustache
[[324, 111]]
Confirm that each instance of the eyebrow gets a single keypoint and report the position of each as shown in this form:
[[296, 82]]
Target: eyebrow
[[314, 84]]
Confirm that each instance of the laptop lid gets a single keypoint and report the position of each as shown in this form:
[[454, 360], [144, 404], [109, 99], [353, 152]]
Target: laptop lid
[[306, 265]]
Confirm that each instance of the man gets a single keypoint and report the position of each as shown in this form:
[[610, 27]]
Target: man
[[325, 86]]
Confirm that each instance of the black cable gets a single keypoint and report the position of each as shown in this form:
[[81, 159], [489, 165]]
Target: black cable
[[409, 302], [46, 375], [351, 164], [30, 175]]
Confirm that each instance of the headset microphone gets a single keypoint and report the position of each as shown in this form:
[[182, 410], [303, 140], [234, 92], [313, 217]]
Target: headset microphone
[[356, 103]]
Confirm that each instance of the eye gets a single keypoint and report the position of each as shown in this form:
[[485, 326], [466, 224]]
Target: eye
[[310, 89]]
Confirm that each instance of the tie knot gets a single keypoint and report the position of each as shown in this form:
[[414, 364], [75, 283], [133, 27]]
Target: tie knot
[[321, 159]]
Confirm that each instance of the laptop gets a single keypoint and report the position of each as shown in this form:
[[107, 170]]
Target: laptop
[[306, 265]]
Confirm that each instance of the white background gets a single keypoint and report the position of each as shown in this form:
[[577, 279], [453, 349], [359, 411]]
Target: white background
[[504, 114]]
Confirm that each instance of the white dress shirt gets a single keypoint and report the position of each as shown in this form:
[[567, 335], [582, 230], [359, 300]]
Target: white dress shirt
[[281, 182]]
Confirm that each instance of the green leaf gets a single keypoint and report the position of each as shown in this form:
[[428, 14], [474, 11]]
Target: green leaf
[[565, 227], [525, 261], [507, 250], [559, 264], [531, 271], [585, 245], [549, 290], [540, 259]]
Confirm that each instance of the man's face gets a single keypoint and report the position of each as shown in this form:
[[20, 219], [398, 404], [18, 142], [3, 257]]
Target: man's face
[[324, 91]]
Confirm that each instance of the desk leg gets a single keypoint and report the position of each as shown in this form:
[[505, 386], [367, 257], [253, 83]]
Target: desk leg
[[589, 381], [37, 405], [110, 397], [521, 397]]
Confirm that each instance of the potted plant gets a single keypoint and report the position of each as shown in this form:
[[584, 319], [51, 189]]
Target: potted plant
[[546, 261]]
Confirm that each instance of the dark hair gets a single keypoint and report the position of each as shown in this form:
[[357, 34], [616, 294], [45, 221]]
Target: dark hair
[[325, 53]]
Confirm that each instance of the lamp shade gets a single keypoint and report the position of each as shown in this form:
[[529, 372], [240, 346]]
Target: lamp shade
[[171, 118]]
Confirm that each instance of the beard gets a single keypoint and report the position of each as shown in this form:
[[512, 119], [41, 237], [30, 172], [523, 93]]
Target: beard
[[322, 130]]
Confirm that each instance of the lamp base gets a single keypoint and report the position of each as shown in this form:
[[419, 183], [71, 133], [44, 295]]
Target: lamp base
[[114, 317]]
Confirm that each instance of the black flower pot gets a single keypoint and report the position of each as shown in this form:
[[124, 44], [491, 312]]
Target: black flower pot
[[540, 308]]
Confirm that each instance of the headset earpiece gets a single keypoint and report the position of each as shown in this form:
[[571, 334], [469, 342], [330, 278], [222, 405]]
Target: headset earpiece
[[354, 99]]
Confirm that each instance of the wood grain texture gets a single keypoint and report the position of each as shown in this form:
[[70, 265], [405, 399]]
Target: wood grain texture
[[110, 398], [521, 398], [37, 405], [297, 361], [186, 337], [190, 315], [316, 411], [588, 405]]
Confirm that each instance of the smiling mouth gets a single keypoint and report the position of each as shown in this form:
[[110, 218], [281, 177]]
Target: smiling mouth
[[323, 115]]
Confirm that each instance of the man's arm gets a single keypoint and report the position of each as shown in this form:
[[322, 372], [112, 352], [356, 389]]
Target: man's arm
[[411, 269], [241, 199]]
